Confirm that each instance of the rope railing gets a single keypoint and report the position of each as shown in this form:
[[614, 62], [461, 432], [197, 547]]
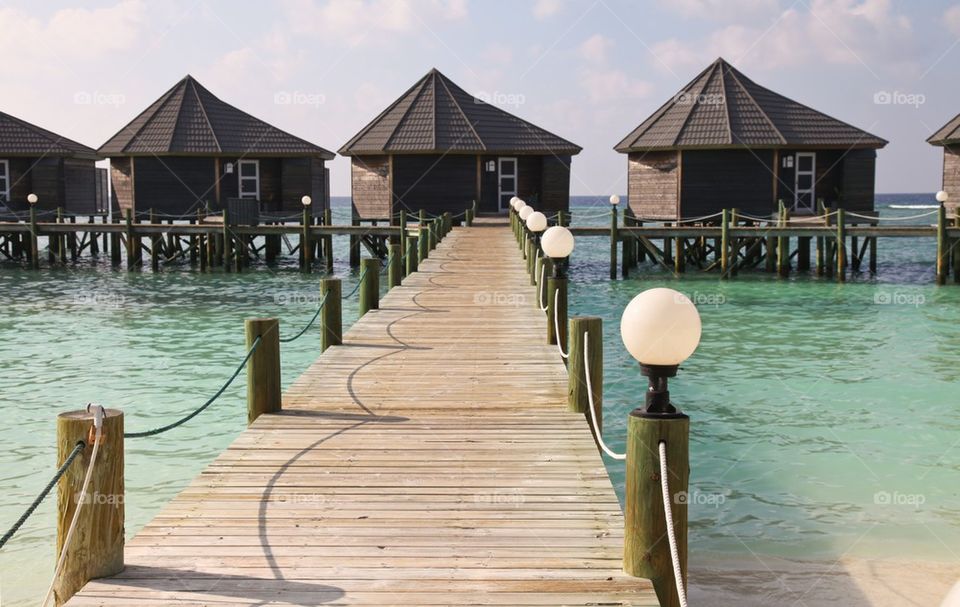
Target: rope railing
[[671, 533], [77, 449], [592, 407], [556, 325], [541, 286], [907, 218], [357, 286], [201, 408], [286, 340]]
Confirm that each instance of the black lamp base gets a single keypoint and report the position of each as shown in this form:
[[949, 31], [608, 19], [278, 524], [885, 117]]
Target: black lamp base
[[657, 399]]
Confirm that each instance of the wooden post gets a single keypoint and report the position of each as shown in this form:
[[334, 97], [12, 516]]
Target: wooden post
[[803, 253], [725, 244], [328, 241], [370, 285], [646, 551], [613, 242], [943, 248], [873, 254], [412, 261], [34, 249], [131, 245], [115, 245], [94, 241], [263, 368], [627, 260], [679, 256], [447, 224], [783, 243], [395, 269], [557, 306], [227, 242], [403, 229], [306, 244], [423, 244], [354, 245], [841, 247], [96, 548], [433, 231], [194, 244], [733, 255], [546, 271], [154, 245], [537, 263], [331, 318], [577, 397]]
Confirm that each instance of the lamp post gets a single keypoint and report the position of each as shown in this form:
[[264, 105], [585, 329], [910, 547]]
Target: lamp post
[[306, 247], [614, 236], [536, 224], [557, 243], [34, 249], [523, 212], [512, 211], [661, 329]]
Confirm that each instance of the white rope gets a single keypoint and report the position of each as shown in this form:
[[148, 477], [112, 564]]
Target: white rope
[[908, 218], [695, 219], [671, 534], [556, 324], [98, 426], [593, 412]]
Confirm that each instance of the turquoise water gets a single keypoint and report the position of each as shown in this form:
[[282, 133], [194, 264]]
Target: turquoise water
[[825, 417]]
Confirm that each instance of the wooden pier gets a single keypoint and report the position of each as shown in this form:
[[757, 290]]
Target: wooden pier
[[428, 460]]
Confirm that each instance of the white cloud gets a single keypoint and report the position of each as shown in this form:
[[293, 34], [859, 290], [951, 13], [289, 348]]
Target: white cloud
[[951, 17], [367, 21], [603, 85], [849, 32], [69, 35], [725, 10], [544, 9], [595, 48]]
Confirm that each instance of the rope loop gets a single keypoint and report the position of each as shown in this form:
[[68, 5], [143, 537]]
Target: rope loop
[[671, 534]]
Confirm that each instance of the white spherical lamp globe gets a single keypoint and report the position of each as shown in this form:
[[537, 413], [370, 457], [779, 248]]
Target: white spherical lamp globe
[[306, 200], [537, 222], [614, 200], [557, 242], [32, 198], [660, 327], [525, 212], [942, 196], [514, 201]]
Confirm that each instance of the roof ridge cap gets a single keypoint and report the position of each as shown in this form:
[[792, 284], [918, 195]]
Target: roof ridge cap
[[203, 110], [776, 129], [483, 144]]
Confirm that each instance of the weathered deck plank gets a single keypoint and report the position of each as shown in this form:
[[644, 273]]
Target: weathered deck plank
[[429, 460]]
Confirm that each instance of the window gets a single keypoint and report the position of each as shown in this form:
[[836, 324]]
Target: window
[[4, 180], [249, 179]]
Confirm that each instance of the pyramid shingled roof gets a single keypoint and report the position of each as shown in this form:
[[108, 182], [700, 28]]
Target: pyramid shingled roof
[[20, 138], [722, 108], [437, 116]]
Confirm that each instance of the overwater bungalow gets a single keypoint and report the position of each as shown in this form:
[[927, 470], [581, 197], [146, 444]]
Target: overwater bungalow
[[60, 171], [191, 151], [724, 141], [948, 137], [438, 148]]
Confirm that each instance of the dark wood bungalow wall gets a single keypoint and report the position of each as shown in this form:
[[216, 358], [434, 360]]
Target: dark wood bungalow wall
[[176, 185], [691, 183], [384, 184], [65, 183]]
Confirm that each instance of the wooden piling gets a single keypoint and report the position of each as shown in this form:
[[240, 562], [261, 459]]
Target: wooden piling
[[841, 246], [331, 317], [96, 548], [227, 242], [395, 269], [154, 245], [131, 245], [263, 368], [783, 244], [328, 241], [943, 248], [557, 311], [578, 398], [402, 223], [370, 285], [115, 255], [306, 244], [34, 248], [725, 244], [614, 237], [412, 261], [94, 241], [646, 551], [354, 245], [679, 257], [803, 253]]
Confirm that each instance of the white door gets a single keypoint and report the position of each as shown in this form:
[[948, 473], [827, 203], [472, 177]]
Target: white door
[[4, 181], [507, 177], [805, 182], [249, 179]]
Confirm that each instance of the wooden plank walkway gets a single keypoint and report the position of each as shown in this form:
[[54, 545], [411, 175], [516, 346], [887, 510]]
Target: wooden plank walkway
[[429, 460]]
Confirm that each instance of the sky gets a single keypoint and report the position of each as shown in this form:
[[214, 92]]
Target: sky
[[588, 70]]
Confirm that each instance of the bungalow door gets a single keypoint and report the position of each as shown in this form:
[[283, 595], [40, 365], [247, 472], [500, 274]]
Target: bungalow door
[[249, 186], [805, 182], [507, 180], [4, 181]]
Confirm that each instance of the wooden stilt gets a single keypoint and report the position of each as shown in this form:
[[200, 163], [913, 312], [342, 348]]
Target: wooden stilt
[[263, 368], [331, 318]]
